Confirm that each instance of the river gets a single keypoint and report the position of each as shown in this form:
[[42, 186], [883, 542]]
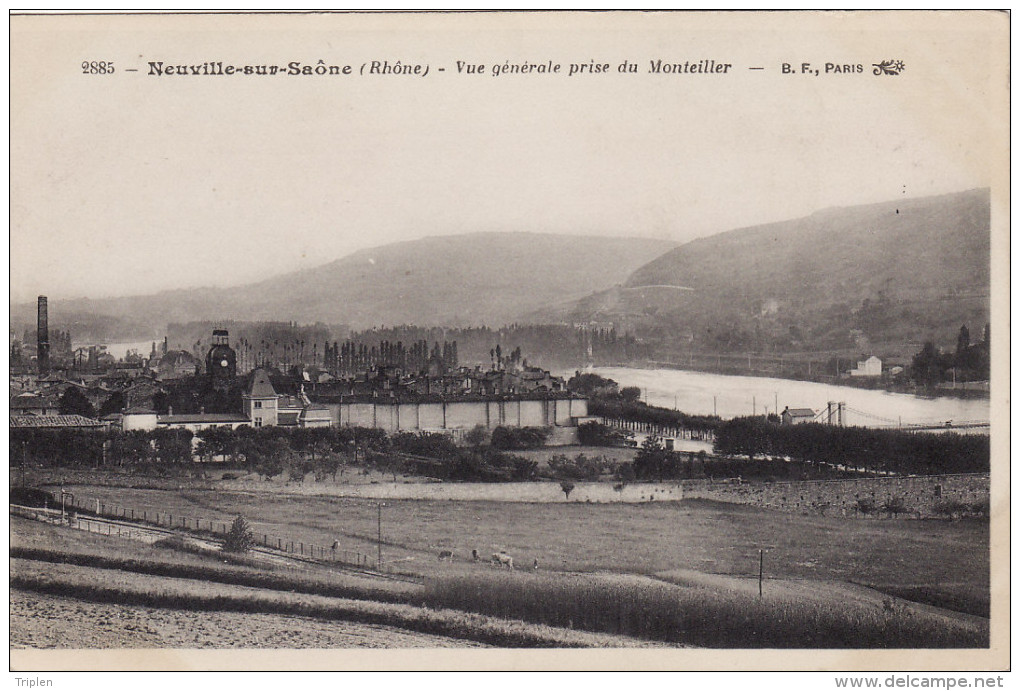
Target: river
[[702, 393]]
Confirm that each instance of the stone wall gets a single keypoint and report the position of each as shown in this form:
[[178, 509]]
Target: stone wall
[[920, 496]]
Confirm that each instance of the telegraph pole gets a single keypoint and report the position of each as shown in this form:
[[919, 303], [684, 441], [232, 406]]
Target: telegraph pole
[[379, 541], [761, 569]]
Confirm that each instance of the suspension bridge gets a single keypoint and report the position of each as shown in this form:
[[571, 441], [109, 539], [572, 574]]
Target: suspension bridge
[[843, 415]]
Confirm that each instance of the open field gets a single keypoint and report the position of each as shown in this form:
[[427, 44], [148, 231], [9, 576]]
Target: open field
[[714, 611], [947, 561], [675, 606], [114, 597], [49, 621]]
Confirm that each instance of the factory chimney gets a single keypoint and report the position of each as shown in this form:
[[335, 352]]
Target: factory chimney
[[43, 337]]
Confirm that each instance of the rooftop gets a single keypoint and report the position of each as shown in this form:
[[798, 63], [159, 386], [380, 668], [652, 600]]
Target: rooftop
[[200, 418], [261, 387], [48, 421]]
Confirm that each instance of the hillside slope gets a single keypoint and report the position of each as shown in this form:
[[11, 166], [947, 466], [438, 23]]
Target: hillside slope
[[840, 278]]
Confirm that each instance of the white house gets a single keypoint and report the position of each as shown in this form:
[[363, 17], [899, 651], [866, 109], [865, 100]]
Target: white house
[[872, 367]]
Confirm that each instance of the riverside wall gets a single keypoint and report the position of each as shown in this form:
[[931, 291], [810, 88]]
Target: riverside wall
[[921, 496]]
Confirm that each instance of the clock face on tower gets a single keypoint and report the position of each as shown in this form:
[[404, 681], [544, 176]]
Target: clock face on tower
[[223, 363]]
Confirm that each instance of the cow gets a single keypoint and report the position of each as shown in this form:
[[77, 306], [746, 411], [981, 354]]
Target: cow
[[475, 556], [446, 555], [502, 559]]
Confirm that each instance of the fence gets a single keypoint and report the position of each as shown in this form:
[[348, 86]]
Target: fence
[[205, 526]]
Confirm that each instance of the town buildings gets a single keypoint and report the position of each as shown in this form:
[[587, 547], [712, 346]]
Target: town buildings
[[140, 394]]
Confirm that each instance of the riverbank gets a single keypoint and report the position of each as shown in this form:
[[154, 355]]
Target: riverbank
[[964, 390], [733, 395]]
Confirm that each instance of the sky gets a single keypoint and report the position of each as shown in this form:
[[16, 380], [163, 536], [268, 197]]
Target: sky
[[127, 183]]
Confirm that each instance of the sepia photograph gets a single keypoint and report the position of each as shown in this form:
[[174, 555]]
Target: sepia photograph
[[509, 340]]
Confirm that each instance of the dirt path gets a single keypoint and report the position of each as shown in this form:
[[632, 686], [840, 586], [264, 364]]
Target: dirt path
[[47, 621]]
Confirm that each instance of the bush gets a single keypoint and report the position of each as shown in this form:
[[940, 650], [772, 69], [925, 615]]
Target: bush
[[597, 434], [580, 467], [31, 496], [866, 506], [950, 508], [517, 438], [239, 538], [895, 506]]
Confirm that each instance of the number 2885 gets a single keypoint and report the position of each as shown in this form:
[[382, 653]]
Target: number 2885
[[96, 67]]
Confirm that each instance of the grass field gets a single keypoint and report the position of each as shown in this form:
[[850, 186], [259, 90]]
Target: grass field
[[103, 581], [946, 562], [128, 575]]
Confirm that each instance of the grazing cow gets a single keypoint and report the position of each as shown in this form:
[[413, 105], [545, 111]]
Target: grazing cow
[[474, 555], [336, 544], [502, 559], [536, 565], [446, 555]]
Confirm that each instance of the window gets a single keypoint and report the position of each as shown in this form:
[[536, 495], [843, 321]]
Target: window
[[258, 404], [258, 422]]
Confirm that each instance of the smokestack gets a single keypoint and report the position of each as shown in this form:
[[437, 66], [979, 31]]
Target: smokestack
[[43, 337]]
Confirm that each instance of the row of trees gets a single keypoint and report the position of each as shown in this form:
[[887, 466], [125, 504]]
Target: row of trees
[[856, 447], [352, 357], [607, 400], [83, 448], [969, 362], [620, 408], [273, 451], [654, 462]]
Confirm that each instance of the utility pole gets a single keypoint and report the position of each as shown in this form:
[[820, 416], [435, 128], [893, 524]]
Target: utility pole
[[379, 541], [761, 570], [715, 411], [754, 406]]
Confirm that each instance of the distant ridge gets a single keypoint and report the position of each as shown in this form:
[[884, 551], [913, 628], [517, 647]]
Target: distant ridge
[[458, 280]]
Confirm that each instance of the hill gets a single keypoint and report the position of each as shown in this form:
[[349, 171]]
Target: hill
[[475, 279], [844, 278]]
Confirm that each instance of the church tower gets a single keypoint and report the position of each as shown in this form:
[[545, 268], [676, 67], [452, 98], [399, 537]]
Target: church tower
[[221, 360]]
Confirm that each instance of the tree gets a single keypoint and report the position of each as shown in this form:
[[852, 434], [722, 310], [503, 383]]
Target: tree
[[962, 342], [476, 436], [895, 506], [329, 464], [928, 365], [567, 488], [239, 538], [268, 457], [114, 404], [296, 472], [173, 445], [74, 402], [631, 394]]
